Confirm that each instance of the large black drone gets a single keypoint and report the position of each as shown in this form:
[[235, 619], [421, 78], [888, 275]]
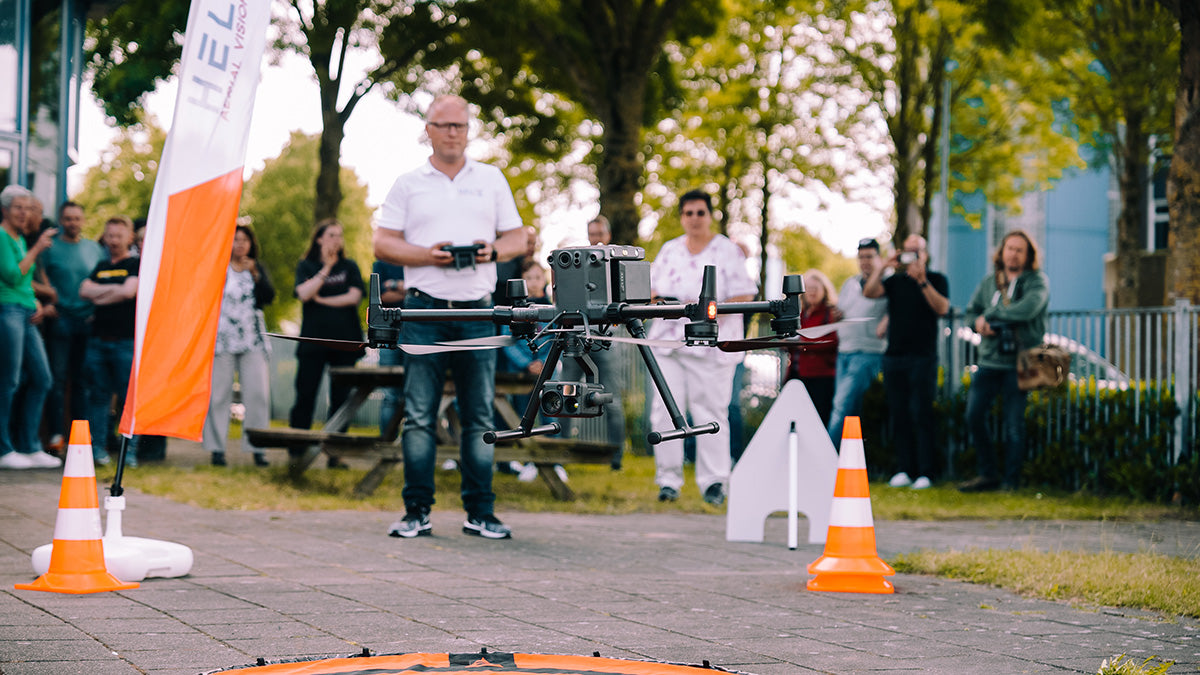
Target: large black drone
[[595, 289]]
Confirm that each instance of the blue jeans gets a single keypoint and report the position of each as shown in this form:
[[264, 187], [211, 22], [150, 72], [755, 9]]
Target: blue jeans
[[911, 383], [986, 385], [22, 362], [106, 372], [391, 395], [66, 348], [855, 373], [474, 373]]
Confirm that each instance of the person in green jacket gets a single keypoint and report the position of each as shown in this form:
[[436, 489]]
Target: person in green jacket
[[22, 354], [1008, 310]]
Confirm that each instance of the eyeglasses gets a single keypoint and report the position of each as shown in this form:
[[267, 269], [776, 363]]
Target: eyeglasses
[[696, 213], [449, 126]]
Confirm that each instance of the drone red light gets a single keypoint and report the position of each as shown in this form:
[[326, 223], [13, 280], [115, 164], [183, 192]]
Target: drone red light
[[711, 312]]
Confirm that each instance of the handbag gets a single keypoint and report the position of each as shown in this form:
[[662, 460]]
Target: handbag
[[1042, 367]]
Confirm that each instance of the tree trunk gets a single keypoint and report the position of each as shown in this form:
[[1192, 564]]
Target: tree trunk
[[620, 171], [329, 153], [1131, 221], [1183, 186], [764, 236]]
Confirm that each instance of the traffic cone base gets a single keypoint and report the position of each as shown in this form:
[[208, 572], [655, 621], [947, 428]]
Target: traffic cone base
[[77, 557], [851, 583], [850, 563]]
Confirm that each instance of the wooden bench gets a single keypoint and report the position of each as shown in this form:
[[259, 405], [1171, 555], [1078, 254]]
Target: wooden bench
[[305, 445]]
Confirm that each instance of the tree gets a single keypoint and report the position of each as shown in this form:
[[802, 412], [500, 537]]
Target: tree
[[1183, 186], [1118, 59], [605, 57], [123, 182], [138, 44], [900, 53], [279, 203], [765, 113]]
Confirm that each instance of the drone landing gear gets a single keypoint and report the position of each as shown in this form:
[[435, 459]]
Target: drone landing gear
[[682, 429]]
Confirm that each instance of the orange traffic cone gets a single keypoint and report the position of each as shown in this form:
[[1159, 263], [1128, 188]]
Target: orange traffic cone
[[77, 559], [850, 564]]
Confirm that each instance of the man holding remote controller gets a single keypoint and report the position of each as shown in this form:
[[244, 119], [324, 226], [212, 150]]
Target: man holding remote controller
[[916, 299], [447, 223]]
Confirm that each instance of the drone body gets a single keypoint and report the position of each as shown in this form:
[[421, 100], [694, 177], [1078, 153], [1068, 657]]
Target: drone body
[[595, 289]]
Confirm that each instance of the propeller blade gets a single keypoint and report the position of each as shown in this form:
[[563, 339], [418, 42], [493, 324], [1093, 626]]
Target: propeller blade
[[661, 344], [439, 348], [341, 345], [816, 332], [490, 341]]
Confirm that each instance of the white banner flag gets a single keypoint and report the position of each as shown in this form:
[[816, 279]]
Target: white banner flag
[[193, 211]]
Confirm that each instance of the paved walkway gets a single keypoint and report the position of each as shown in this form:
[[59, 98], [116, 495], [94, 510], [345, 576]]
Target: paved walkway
[[661, 587]]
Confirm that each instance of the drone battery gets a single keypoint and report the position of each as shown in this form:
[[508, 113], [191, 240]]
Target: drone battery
[[632, 281]]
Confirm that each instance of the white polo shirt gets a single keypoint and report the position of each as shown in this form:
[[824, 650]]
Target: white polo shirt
[[429, 207]]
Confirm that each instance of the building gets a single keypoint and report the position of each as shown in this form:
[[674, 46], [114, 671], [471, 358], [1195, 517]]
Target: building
[[41, 65]]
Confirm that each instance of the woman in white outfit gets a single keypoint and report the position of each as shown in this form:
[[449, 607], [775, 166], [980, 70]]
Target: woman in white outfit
[[241, 348], [700, 378]]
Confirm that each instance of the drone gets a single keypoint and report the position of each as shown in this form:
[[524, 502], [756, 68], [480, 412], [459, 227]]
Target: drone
[[596, 289]]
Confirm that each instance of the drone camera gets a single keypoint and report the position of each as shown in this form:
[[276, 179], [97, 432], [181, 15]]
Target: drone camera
[[464, 256], [573, 399], [587, 279]]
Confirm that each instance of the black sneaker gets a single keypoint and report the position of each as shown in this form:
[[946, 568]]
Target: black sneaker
[[715, 494], [414, 524], [488, 526], [260, 459], [667, 494], [218, 459]]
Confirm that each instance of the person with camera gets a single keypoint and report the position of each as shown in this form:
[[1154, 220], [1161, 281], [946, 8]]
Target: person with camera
[[1008, 310], [448, 222], [916, 299]]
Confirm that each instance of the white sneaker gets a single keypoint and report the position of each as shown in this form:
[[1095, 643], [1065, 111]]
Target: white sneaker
[[15, 461], [562, 473], [900, 480], [450, 465], [921, 483], [44, 460], [528, 473]]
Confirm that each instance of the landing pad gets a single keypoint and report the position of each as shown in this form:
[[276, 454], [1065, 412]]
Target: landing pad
[[472, 664]]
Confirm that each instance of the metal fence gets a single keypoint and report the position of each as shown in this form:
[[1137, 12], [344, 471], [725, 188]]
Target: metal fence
[[1148, 353]]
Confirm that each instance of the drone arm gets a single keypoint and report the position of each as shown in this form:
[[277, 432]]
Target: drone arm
[[526, 429], [681, 430]]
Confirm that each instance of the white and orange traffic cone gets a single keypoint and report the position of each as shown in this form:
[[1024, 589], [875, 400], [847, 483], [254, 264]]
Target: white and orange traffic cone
[[77, 556], [850, 563]]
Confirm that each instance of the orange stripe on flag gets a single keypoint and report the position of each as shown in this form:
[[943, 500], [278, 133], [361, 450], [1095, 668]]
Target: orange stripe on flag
[[171, 382]]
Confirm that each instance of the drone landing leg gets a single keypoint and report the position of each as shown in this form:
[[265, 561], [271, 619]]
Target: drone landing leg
[[526, 428], [681, 430]]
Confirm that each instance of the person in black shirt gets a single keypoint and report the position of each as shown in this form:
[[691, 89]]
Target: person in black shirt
[[916, 299], [112, 287], [330, 286]]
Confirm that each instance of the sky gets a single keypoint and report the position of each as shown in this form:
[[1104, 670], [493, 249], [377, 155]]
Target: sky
[[381, 143]]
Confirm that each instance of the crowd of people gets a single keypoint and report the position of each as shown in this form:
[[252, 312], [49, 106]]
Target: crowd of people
[[67, 308]]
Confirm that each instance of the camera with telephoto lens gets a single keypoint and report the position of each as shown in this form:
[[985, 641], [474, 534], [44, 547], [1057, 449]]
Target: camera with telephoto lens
[[573, 399], [907, 257], [1006, 336]]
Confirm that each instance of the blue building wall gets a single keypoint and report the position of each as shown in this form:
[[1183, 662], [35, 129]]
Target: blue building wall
[[1076, 228]]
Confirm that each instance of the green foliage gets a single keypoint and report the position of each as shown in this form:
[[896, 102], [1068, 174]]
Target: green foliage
[[123, 182], [279, 203], [129, 48], [1117, 665]]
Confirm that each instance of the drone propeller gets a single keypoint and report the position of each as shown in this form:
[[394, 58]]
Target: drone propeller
[[661, 344], [340, 345], [491, 342], [805, 336]]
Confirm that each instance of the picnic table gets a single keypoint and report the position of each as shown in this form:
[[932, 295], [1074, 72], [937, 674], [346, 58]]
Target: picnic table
[[305, 445]]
